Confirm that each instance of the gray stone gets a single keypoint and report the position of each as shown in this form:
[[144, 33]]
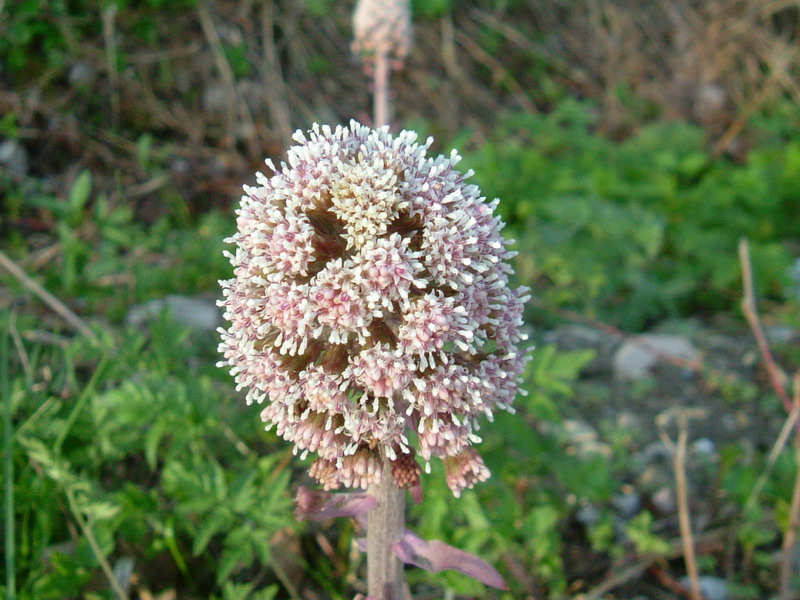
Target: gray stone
[[654, 452], [81, 73], [195, 313], [781, 334], [123, 570], [580, 337], [711, 588], [627, 504], [14, 157], [636, 358], [216, 98], [704, 447], [664, 501], [588, 515], [583, 438]]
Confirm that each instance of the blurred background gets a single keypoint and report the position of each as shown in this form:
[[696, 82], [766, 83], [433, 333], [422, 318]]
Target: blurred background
[[633, 144]]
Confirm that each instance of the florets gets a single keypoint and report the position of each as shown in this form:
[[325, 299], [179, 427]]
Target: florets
[[371, 307]]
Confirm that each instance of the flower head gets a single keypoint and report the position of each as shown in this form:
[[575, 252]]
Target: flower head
[[371, 307]]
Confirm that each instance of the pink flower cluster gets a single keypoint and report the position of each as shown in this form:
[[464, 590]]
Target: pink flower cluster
[[371, 306]]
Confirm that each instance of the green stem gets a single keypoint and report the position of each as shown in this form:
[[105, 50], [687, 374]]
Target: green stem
[[8, 449], [87, 391]]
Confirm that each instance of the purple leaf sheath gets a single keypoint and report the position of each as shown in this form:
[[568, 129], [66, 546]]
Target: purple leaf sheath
[[435, 556], [311, 505]]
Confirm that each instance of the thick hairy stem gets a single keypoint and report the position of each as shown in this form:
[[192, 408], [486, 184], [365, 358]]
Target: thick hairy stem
[[385, 525], [382, 69]]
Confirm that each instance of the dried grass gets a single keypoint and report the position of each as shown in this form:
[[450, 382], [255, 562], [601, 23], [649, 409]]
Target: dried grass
[[713, 62]]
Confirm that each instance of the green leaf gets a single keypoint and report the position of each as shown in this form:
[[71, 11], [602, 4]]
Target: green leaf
[[238, 553], [79, 194], [213, 524], [55, 468]]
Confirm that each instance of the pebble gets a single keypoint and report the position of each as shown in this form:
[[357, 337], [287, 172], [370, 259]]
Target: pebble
[[704, 447], [588, 515], [195, 313], [14, 157], [664, 501], [627, 504], [578, 337], [781, 334], [712, 588], [80, 73], [123, 571], [583, 438], [654, 452], [635, 359]]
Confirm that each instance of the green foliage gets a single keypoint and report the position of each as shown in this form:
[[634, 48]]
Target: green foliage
[[319, 8], [637, 231], [640, 532], [37, 35], [155, 461], [431, 8]]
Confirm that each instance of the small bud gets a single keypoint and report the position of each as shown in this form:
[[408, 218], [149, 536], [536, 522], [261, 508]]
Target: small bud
[[382, 27]]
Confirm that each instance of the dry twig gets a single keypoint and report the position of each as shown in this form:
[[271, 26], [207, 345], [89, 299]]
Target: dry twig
[[777, 448], [108, 16], [790, 537], [271, 70], [54, 303], [98, 552], [776, 376], [735, 128], [235, 102], [679, 462], [622, 576], [499, 73]]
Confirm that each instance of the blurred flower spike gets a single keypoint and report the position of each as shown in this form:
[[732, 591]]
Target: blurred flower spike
[[371, 307], [382, 27]]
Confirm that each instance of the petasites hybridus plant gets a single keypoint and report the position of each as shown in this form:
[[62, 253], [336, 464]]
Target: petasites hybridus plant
[[371, 308]]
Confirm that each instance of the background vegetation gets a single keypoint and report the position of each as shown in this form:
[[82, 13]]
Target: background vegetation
[[632, 144]]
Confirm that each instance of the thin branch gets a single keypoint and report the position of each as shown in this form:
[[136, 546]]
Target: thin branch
[[777, 448], [110, 40], [744, 116], [790, 537], [87, 531], [622, 576], [54, 303], [235, 102], [499, 73], [271, 68], [684, 521], [776, 376]]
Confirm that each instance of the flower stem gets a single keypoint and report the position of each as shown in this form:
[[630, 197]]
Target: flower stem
[[381, 99], [385, 525]]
